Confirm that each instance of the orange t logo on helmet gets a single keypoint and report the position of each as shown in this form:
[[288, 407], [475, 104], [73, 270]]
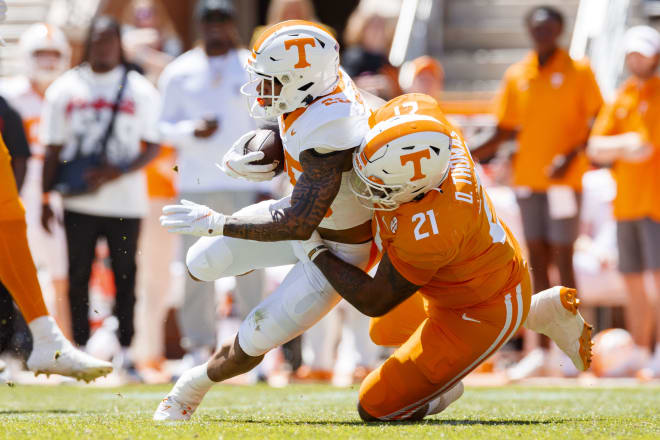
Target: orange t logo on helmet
[[416, 159], [300, 43]]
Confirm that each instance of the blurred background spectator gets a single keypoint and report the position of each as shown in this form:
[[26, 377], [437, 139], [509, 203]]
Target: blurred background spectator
[[367, 41], [100, 109], [282, 10], [626, 137], [149, 40], [549, 162], [422, 75]]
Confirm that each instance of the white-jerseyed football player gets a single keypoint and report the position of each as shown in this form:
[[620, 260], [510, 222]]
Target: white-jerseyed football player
[[322, 119]]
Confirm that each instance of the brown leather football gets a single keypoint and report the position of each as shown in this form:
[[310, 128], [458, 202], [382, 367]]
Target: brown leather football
[[270, 143]]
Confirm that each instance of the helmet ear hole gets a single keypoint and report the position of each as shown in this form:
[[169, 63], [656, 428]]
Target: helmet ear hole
[[285, 79]]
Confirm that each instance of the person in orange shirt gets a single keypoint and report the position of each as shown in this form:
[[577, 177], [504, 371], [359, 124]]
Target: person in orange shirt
[[626, 136], [547, 103], [422, 75], [439, 237], [52, 353]]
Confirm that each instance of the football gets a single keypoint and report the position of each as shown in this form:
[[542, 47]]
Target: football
[[270, 143]]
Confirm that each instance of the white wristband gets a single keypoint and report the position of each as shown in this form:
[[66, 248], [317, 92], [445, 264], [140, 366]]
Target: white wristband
[[318, 250]]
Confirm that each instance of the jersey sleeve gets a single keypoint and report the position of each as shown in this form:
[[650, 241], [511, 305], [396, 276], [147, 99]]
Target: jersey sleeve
[[506, 110], [336, 135], [606, 122], [592, 96], [174, 126]]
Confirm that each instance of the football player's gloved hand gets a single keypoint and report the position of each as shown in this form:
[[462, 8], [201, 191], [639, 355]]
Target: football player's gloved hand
[[309, 249], [237, 165], [192, 219]]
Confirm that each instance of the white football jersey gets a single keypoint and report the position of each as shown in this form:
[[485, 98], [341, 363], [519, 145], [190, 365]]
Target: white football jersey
[[334, 122]]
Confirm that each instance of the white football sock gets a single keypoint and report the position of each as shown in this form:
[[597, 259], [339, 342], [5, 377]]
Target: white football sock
[[44, 330], [192, 386]]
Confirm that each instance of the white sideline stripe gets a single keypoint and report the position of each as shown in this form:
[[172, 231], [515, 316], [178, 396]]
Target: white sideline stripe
[[488, 352]]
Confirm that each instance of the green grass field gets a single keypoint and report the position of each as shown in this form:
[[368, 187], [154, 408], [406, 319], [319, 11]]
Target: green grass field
[[306, 411]]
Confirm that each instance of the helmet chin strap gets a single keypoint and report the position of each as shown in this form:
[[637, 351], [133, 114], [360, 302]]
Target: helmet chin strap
[[309, 98]]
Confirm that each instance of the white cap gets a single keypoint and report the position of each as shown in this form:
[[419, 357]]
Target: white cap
[[642, 39]]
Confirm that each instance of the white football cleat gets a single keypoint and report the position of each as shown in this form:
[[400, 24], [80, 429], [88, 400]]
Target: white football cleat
[[170, 409], [554, 313], [59, 356]]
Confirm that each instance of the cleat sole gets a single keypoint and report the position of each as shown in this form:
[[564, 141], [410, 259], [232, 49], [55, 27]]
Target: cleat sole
[[569, 299], [585, 345]]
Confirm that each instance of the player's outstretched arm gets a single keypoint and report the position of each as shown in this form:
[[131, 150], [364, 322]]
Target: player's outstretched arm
[[371, 296], [312, 196]]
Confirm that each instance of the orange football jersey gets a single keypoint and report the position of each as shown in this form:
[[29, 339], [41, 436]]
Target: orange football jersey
[[11, 207], [450, 242]]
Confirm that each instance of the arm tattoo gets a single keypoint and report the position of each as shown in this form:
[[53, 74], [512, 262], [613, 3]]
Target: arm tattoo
[[371, 296], [312, 196]]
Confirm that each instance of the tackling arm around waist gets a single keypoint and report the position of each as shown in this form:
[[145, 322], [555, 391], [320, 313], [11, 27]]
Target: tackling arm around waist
[[355, 235]]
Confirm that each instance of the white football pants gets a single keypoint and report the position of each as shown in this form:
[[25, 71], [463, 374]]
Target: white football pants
[[303, 297]]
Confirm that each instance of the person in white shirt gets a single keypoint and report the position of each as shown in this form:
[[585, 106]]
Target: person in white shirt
[[77, 116], [203, 113], [46, 55]]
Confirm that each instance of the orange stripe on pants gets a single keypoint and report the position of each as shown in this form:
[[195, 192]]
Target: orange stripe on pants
[[17, 270]]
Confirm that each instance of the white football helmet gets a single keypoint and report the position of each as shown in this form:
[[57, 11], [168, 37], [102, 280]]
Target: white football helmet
[[399, 160], [44, 37], [302, 56]]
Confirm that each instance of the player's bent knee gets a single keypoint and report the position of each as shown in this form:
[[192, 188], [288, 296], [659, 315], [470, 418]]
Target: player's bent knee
[[208, 259], [251, 340]]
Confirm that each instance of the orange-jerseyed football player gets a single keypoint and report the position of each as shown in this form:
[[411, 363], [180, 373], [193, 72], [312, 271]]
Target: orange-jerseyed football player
[[52, 352], [438, 236]]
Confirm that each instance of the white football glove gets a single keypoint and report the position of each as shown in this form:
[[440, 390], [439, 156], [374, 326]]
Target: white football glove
[[192, 219], [237, 165], [309, 249]]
